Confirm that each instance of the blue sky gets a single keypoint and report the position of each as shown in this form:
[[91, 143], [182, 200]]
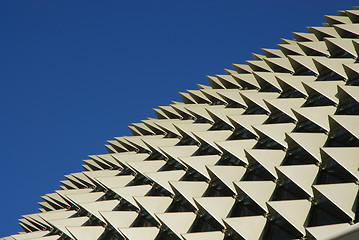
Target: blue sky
[[76, 73]]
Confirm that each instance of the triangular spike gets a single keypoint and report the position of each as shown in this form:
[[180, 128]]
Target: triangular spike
[[178, 151], [288, 83], [348, 30], [187, 98], [162, 178], [291, 49], [215, 235], [226, 174], [259, 65], [233, 98], [317, 115], [258, 56], [119, 219], [247, 81], [272, 53], [325, 88], [109, 160], [144, 167], [199, 163], [345, 92], [303, 64], [155, 143], [169, 128], [342, 195], [301, 175], [210, 137], [38, 235], [304, 37], [326, 231], [189, 189], [275, 132], [236, 147], [246, 121], [201, 86], [129, 192], [310, 142], [200, 111], [86, 232], [284, 105], [287, 41], [115, 182], [314, 48], [324, 65], [266, 158], [214, 82], [229, 71], [249, 228], [279, 65], [259, 191], [222, 114], [242, 68], [153, 204], [337, 19], [321, 32], [228, 81], [338, 47], [212, 95], [217, 207], [170, 112], [187, 130], [160, 114], [352, 71], [268, 81], [345, 157], [139, 233], [256, 99], [198, 96], [94, 207], [353, 15], [293, 211], [347, 122], [61, 224], [177, 222], [85, 197]]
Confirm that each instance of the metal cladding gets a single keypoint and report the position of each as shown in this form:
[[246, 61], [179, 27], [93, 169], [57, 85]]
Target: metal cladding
[[270, 150]]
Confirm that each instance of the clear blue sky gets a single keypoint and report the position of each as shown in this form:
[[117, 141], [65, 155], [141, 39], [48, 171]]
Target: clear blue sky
[[76, 73]]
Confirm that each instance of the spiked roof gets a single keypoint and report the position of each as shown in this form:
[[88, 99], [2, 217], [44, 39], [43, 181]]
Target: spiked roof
[[268, 149]]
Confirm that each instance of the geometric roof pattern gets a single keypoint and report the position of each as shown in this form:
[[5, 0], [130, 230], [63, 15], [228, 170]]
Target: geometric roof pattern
[[268, 150]]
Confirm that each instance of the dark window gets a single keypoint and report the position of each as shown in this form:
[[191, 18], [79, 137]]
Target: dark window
[[217, 188], [245, 207], [319, 214], [297, 156], [180, 204], [308, 126], [257, 172], [230, 160], [255, 109], [318, 100], [265, 142], [242, 133], [279, 117], [205, 223], [274, 231], [329, 76], [348, 107], [287, 190], [341, 138], [144, 220]]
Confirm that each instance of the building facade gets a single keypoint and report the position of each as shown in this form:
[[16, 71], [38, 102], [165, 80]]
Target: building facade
[[269, 150]]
